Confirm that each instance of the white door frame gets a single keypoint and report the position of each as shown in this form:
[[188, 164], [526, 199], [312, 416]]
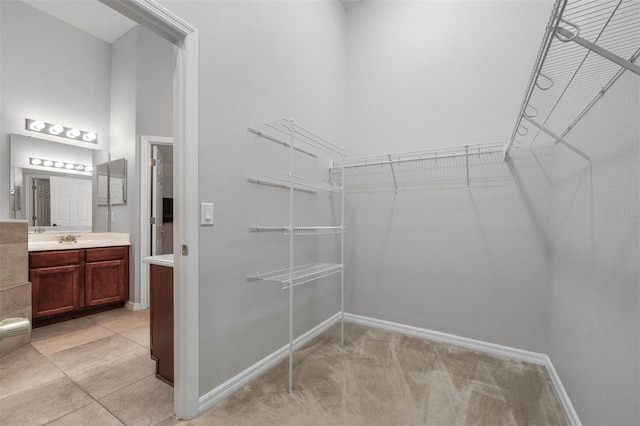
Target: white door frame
[[144, 247], [156, 18]]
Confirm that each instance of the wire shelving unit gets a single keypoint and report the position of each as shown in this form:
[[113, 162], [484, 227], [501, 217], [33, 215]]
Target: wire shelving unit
[[588, 45], [299, 140], [395, 160]]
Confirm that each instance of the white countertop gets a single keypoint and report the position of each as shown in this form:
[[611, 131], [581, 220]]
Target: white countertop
[[161, 259], [42, 242]]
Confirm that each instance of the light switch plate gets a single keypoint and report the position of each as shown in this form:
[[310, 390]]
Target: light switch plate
[[206, 214]]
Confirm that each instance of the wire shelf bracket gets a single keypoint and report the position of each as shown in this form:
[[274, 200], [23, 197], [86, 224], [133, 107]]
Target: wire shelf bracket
[[559, 139], [597, 49]]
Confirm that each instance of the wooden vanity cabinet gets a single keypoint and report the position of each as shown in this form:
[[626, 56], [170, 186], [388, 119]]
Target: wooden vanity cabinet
[[56, 279], [71, 283], [161, 291], [106, 275]]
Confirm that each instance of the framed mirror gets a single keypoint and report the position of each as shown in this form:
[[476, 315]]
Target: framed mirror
[[53, 185], [112, 182]]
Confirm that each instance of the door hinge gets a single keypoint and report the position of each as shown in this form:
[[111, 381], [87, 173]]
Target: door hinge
[[34, 187], [152, 220], [152, 162]]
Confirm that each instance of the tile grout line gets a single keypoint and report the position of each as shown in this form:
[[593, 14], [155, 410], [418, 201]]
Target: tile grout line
[[80, 386]]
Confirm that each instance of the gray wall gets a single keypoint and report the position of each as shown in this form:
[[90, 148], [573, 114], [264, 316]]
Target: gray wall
[[472, 263], [50, 71], [260, 61], [594, 304], [142, 66]]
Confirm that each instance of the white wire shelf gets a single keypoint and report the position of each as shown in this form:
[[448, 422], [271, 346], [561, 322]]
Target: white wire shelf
[[587, 46], [301, 274], [299, 230], [424, 155], [277, 182], [299, 183], [282, 131]]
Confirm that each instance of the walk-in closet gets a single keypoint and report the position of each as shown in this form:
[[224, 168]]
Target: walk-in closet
[[404, 212]]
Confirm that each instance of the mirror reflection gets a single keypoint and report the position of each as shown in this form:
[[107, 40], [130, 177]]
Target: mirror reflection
[[112, 190], [53, 185]]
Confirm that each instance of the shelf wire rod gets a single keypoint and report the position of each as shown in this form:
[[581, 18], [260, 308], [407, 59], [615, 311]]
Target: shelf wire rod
[[276, 140], [599, 5], [315, 144], [554, 21], [575, 73], [580, 4], [600, 94]]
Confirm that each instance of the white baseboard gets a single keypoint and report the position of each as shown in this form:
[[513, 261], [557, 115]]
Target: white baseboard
[[478, 345], [218, 394], [562, 394], [132, 306]]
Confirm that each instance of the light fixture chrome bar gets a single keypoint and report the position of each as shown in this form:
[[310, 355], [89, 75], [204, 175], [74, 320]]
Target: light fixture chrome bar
[[559, 139], [599, 50], [600, 94], [554, 21], [60, 131], [393, 172], [283, 143]]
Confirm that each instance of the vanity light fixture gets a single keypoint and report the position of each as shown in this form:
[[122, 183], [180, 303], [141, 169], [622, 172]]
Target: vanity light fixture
[[58, 130], [60, 165]]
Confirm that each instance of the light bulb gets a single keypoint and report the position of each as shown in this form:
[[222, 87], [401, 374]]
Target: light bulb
[[56, 129], [70, 166], [73, 133], [47, 163], [36, 161], [36, 125], [89, 137], [59, 164], [88, 169], [79, 167]]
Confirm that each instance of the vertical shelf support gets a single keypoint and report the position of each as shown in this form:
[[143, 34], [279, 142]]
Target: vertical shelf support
[[291, 148], [393, 172], [466, 158], [342, 259]]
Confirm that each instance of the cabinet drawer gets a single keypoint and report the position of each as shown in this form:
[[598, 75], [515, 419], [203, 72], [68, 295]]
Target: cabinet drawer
[[54, 258], [103, 254]]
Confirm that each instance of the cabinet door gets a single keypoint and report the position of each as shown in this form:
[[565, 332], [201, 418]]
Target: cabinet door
[[55, 290], [161, 282], [105, 282]]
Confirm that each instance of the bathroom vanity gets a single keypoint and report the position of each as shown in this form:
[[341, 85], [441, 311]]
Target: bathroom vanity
[[161, 305], [87, 274]]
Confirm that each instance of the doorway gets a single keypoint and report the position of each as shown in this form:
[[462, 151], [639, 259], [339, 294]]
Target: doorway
[[186, 211], [157, 207]]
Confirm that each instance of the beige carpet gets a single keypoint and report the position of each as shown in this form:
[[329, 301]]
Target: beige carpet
[[384, 378]]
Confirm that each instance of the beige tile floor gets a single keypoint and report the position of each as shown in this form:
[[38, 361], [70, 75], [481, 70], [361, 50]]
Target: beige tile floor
[[94, 370]]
